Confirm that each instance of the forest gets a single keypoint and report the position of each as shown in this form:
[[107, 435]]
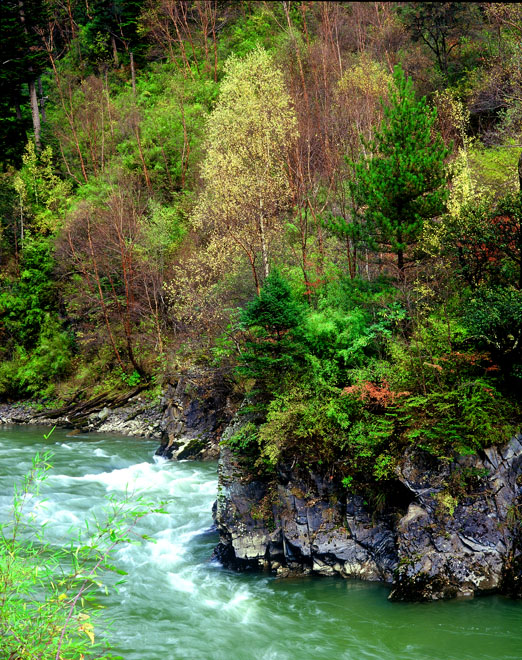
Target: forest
[[319, 199]]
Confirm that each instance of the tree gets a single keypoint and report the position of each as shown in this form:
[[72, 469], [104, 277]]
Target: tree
[[273, 318], [250, 133], [440, 25], [111, 288], [23, 60], [402, 183]]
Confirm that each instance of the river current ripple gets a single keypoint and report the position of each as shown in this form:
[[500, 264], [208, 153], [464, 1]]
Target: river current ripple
[[177, 604]]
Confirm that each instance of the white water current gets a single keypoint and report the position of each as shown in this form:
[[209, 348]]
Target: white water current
[[177, 604]]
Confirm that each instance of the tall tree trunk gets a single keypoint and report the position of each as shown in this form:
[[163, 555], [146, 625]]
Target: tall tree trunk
[[133, 73], [32, 86], [36, 114], [400, 264], [262, 234], [42, 99], [115, 51]]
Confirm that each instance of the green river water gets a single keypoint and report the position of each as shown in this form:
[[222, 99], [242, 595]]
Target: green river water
[[176, 604]]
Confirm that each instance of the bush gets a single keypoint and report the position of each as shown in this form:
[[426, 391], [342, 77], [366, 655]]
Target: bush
[[463, 420], [32, 373], [493, 316], [24, 302], [274, 318]]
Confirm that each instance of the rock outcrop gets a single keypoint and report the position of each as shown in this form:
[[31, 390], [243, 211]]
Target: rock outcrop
[[446, 528], [197, 407], [129, 414], [188, 420]]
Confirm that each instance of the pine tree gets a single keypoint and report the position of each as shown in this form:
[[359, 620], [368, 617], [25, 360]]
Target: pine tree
[[402, 183]]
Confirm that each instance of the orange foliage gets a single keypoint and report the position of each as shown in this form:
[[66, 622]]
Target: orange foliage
[[378, 396]]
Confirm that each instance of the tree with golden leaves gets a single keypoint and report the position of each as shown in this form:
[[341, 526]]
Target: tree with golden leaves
[[250, 134]]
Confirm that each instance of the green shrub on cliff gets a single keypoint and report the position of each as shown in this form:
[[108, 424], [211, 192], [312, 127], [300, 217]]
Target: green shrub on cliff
[[274, 319]]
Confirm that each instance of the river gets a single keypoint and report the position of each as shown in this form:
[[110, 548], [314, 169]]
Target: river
[[176, 604]]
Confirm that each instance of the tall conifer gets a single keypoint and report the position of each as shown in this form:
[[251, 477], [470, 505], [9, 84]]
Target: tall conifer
[[402, 183]]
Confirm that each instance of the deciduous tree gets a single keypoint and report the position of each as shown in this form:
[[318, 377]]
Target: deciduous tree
[[250, 133]]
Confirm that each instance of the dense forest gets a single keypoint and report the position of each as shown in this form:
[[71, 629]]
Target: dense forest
[[320, 199]]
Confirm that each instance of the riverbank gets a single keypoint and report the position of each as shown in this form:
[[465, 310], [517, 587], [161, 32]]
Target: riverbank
[[176, 604], [139, 418], [441, 529], [187, 419]]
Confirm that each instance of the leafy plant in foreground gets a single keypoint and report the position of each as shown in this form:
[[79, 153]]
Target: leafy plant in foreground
[[47, 594]]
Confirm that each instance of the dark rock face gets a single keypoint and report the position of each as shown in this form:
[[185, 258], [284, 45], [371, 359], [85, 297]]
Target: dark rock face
[[197, 407], [298, 529], [453, 529], [459, 546]]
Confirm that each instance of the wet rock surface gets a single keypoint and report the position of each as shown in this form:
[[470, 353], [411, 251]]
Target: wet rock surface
[[452, 531], [460, 545], [197, 406], [139, 417]]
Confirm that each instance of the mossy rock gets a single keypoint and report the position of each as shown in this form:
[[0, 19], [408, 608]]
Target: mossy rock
[[193, 448]]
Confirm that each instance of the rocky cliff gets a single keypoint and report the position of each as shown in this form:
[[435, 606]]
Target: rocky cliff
[[197, 406], [443, 529]]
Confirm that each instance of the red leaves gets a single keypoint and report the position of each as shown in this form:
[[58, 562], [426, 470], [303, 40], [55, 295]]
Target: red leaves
[[374, 395]]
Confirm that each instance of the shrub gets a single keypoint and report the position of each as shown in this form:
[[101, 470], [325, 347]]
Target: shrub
[[31, 373], [494, 317]]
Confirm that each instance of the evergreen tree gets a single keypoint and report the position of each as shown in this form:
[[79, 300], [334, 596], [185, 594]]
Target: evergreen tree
[[273, 318], [403, 182]]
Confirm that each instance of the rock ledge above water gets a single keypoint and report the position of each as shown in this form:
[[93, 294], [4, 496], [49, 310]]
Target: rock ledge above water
[[425, 542]]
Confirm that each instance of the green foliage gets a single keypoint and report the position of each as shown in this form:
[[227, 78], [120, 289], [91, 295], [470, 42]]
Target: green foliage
[[250, 134], [26, 300], [34, 372], [36, 350], [353, 389], [275, 309], [131, 379], [48, 595], [256, 30], [169, 116], [464, 419], [42, 195], [495, 167], [494, 318], [274, 317], [244, 441], [403, 183]]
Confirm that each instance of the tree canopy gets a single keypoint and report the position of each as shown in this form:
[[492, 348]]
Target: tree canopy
[[250, 134]]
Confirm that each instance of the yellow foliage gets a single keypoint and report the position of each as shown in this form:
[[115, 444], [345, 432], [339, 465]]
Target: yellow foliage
[[249, 137], [42, 195], [366, 78], [360, 92], [86, 627]]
